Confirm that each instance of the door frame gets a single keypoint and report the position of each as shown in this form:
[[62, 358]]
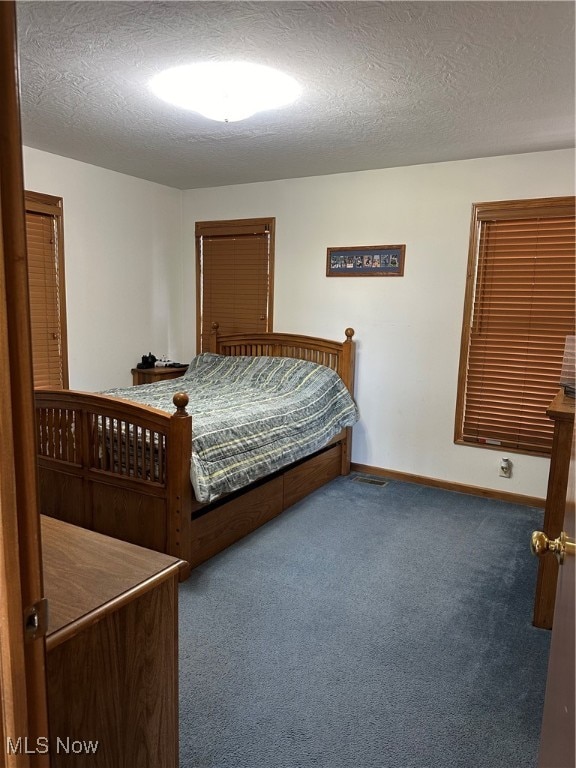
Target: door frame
[[23, 705], [557, 738]]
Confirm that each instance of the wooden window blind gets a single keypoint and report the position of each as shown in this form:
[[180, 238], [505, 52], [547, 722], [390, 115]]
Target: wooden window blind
[[46, 290], [519, 309], [235, 276]]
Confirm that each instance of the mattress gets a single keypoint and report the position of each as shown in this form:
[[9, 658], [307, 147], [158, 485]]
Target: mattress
[[251, 416]]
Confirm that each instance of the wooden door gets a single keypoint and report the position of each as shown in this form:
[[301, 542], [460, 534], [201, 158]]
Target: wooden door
[[561, 411], [557, 745], [23, 710], [235, 277]]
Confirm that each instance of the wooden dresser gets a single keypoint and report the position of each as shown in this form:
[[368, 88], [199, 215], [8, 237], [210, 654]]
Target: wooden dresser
[[111, 651], [561, 411]]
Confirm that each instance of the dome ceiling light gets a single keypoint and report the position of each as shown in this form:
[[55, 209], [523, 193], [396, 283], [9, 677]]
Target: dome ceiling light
[[225, 91]]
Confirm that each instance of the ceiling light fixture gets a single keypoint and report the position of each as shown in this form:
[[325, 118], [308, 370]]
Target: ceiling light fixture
[[225, 91]]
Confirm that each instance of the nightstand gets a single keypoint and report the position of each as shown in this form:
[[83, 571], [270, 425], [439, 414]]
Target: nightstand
[[149, 375]]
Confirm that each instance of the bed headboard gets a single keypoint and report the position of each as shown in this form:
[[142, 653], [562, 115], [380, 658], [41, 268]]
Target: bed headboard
[[337, 355]]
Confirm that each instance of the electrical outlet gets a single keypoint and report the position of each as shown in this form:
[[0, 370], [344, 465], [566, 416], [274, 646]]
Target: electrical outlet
[[505, 467]]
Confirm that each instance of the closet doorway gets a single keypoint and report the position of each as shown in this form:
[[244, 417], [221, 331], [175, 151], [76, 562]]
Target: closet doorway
[[234, 277]]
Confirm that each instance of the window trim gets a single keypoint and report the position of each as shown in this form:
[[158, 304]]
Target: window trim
[[227, 228], [41, 203], [501, 210]]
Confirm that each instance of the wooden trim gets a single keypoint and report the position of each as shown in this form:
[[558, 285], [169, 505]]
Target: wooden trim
[[198, 271], [499, 306], [50, 205], [531, 207], [466, 325], [232, 227], [13, 701], [502, 449], [23, 707], [39, 202], [473, 490], [270, 297]]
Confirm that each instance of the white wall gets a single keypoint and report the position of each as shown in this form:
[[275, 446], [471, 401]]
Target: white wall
[[130, 277], [407, 329], [123, 264]]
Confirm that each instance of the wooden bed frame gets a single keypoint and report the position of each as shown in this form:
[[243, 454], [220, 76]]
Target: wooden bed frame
[[145, 496]]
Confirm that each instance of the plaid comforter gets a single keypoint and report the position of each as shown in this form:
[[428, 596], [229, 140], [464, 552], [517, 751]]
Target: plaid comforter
[[251, 416]]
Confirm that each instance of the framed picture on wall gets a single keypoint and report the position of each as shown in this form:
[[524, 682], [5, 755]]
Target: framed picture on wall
[[366, 261]]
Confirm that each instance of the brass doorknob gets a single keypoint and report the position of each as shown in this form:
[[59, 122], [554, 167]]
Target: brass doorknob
[[563, 545]]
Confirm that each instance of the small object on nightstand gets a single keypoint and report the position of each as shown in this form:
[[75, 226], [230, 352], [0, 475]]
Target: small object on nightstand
[[164, 363], [148, 361], [150, 375]]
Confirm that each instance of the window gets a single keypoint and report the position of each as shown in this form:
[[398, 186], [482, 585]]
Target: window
[[46, 290], [235, 265], [519, 308]]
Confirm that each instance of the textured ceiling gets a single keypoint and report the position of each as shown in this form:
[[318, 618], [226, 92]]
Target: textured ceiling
[[384, 84]]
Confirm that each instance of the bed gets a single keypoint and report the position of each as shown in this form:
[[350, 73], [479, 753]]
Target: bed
[[125, 468]]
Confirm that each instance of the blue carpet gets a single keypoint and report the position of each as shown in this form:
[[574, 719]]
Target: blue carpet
[[367, 627]]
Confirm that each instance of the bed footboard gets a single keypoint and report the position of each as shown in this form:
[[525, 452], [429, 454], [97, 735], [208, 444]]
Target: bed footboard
[[117, 468], [123, 469]]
